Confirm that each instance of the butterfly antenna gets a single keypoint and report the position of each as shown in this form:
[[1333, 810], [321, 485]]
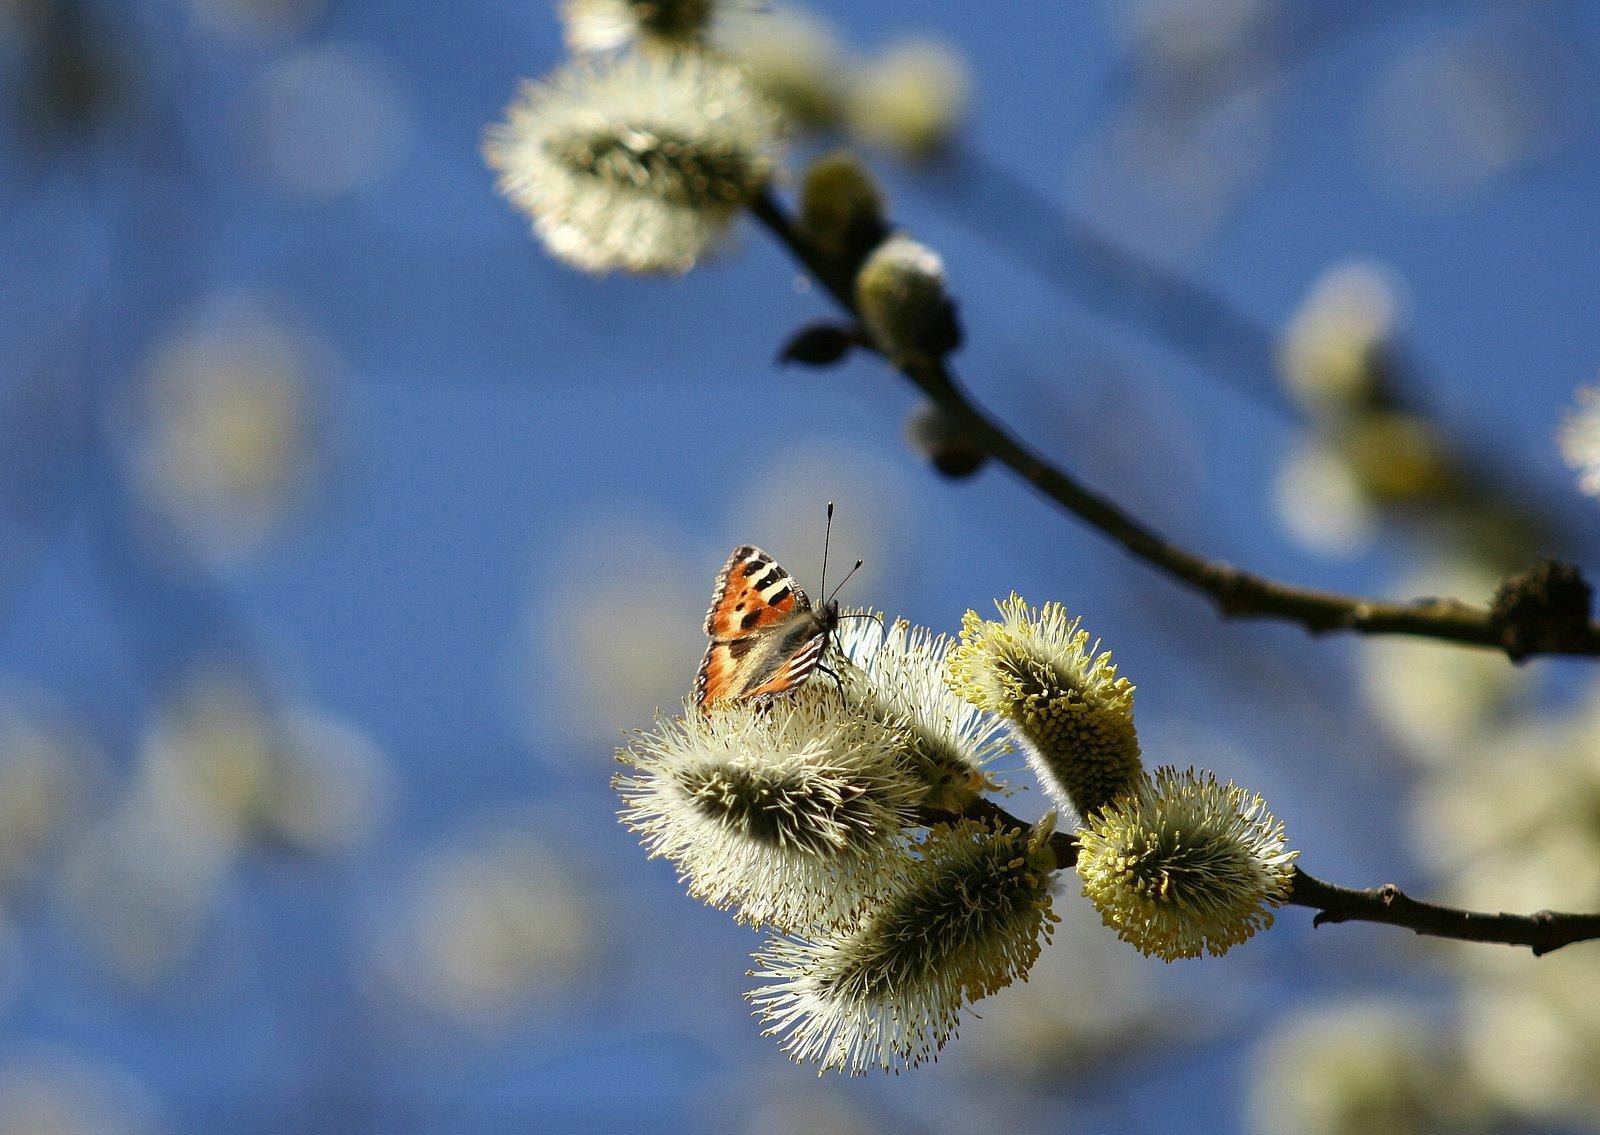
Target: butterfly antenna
[[846, 579], [827, 537]]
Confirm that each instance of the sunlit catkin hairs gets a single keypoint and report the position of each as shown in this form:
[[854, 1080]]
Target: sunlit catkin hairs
[[791, 813], [1062, 696], [1182, 865], [1579, 439], [604, 25], [1335, 354], [912, 99], [965, 920], [793, 59], [896, 674], [637, 163]]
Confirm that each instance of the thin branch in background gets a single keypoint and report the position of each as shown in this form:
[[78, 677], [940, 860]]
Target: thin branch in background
[[1304, 36], [1236, 593], [1090, 267]]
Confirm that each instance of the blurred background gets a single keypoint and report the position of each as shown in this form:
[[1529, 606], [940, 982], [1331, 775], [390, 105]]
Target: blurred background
[[343, 533]]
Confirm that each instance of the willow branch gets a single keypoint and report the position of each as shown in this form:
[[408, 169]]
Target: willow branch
[[1542, 931], [1236, 593]]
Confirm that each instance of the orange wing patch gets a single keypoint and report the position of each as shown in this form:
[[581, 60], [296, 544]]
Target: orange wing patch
[[752, 593], [716, 677]]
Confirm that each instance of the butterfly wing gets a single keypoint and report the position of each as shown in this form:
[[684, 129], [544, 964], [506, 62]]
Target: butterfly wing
[[752, 593], [718, 677], [760, 624], [794, 669], [764, 663]]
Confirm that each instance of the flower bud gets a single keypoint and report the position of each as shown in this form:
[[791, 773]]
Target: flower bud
[[1060, 694], [1397, 457], [901, 297], [793, 59], [1579, 439], [842, 207], [639, 163], [1350, 1065], [939, 437], [1182, 865], [964, 921], [791, 812], [1335, 353], [912, 99], [604, 25], [896, 675]]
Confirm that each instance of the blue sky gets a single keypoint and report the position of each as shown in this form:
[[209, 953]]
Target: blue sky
[[505, 451]]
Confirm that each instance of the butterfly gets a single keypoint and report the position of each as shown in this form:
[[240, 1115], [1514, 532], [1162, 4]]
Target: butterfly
[[766, 637]]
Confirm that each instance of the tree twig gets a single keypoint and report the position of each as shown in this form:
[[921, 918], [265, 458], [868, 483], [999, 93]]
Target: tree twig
[[1542, 931], [1236, 593]]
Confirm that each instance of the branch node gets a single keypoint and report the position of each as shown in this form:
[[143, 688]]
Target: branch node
[[1545, 925], [1545, 608]]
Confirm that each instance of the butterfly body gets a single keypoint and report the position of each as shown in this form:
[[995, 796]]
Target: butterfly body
[[766, 637]]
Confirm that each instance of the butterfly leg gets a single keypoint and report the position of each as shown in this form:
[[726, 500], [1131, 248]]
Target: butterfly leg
[[837, 680]]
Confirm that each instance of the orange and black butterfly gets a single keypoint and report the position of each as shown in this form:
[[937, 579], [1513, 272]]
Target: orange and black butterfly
[[766, 637]]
